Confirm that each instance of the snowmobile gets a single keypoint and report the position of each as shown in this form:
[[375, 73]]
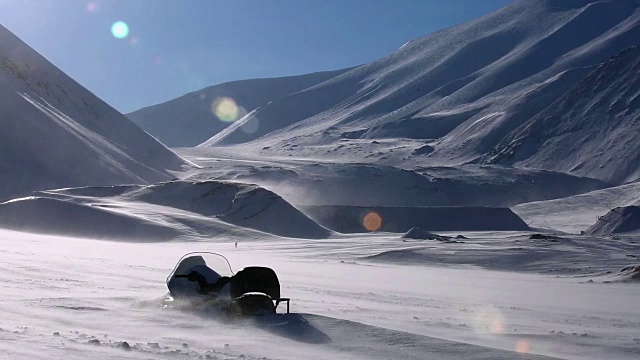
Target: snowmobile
[[205, 281]]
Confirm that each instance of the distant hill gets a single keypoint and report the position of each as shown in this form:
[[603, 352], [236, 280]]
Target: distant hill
[[189, 120], [55, 133], [620, 220]]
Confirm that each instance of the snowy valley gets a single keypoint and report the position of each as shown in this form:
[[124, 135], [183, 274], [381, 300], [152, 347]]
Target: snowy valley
[[473, 195]]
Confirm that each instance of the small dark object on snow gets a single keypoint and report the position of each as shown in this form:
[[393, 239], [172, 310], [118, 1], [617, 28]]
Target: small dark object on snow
[[543, 237]]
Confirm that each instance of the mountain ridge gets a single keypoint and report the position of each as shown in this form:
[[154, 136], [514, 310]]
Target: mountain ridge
[[601, 114], [190, 119], [460, 90], [55, 133]]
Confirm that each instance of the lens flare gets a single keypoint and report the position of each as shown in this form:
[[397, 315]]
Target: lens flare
[[489, 320], [92, 6], [225, 109], [251, 125], [497, 327], [120, 29], [523, 347], [372, 221]]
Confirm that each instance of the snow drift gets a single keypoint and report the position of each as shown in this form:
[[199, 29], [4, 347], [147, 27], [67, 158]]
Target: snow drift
[[235, 203], [576, 213], [190, 119], [355, 219], [54, 216], [617, 221], [161, 211], [55, 133]]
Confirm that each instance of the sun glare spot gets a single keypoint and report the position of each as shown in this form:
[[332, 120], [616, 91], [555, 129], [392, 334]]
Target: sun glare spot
[[226, 109], [523, 347], [120, 30], [489, 320], [92, 6], [497, 327], [372, 221], [251, 125]]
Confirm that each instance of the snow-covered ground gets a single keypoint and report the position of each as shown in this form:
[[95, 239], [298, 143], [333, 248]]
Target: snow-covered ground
[[386, 147], [79, 298]]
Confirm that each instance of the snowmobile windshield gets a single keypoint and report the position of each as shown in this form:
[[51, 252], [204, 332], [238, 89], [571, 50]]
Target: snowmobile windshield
[[199, 260]]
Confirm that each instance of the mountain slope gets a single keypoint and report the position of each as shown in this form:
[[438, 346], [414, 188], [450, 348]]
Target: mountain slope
[[594, 127], [55, 133], [460, 90], [190, 119], [576, 213]]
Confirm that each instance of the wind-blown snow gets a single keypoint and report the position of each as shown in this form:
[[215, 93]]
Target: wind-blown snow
[[399, 139], [160, 212], [77, 299], [55, 133], [306, 182], [54, 216], [351, 219]]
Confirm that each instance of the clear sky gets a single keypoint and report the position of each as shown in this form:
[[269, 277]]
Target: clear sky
[[174, 47]]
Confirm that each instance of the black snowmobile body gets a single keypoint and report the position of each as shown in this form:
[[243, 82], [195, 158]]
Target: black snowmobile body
[[205, 281]]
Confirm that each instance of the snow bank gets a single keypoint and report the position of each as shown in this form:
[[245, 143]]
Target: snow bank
[[355, 219], [205, 208], [617, 221], [576, 213], [236, 203], [54, 216]]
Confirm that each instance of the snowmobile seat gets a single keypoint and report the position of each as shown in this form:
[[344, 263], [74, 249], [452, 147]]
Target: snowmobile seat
[[193, 270], [257, 279]]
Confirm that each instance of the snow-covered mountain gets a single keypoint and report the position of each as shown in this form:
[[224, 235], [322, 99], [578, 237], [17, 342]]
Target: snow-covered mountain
[[55, 133], [190, 119], [459, 91], [593, 128]]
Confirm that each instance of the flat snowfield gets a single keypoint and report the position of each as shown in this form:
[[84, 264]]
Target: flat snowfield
[[87, 299]]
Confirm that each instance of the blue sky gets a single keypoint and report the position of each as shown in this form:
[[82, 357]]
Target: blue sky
[[174, 47]]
